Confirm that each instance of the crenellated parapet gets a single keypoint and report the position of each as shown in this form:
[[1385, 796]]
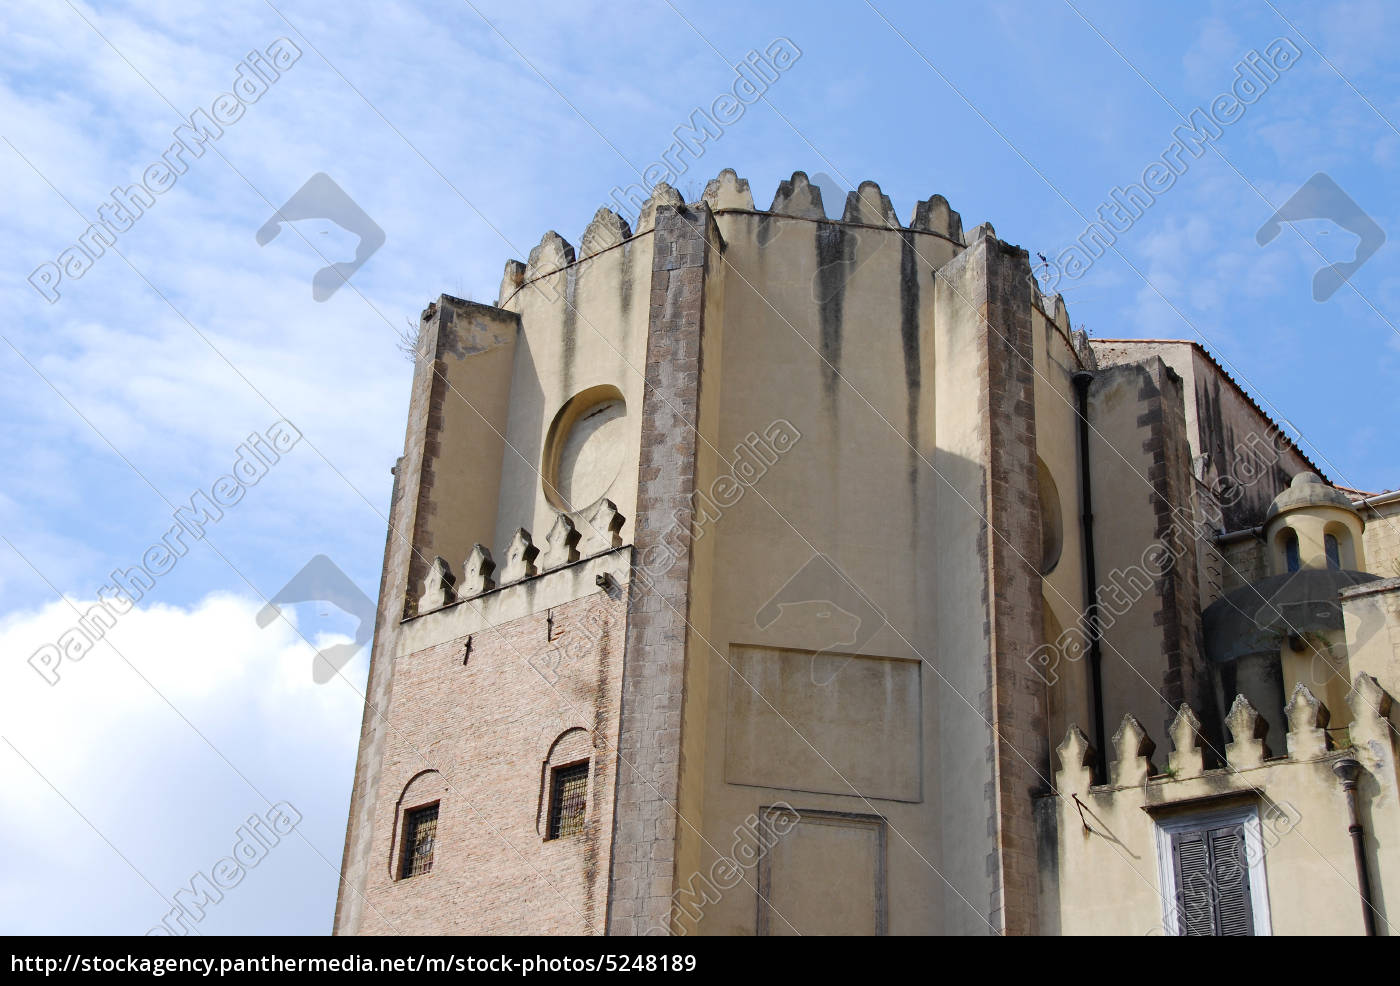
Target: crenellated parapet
[[728, 191], [797, 197], [565, 545], [1308, 740]]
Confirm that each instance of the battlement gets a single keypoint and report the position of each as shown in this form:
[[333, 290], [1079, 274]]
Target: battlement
[[1131, 765], [867, 207], [564, 545]]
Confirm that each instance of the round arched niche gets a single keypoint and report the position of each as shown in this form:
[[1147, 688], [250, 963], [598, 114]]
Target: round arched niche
[[423, 788], [574, 745], [585, 448], [1052, 532]]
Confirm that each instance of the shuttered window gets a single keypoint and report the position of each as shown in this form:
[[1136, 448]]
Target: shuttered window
[[1212, 881]]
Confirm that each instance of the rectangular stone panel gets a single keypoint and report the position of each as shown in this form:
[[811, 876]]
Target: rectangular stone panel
[[827, 723], [824, 876]]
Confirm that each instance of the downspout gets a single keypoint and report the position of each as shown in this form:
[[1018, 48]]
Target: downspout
[[1380, 499], [1347, 771], [1082, 380]]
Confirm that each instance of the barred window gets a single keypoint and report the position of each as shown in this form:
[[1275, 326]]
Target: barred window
[[419, 837], [568, 800]]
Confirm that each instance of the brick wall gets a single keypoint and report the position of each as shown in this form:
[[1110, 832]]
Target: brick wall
[[457, 335], [487, 728], [393, 589]]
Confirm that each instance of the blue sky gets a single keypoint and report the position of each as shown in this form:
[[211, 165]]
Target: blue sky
[[466, 131]]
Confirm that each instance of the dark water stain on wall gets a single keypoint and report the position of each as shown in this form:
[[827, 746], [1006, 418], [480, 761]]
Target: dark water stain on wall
[[835, 253], [1244, 483], [568, 348], [909, 339], [625, 283], [767, 229]]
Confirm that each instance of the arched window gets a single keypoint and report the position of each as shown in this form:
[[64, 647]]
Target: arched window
[[564, 788], [1339, 546], [1334, 551], [568, 800], [414, 842], [419, 840], [1291, 559]]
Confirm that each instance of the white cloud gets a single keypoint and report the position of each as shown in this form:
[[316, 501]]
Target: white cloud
[[120, 748]]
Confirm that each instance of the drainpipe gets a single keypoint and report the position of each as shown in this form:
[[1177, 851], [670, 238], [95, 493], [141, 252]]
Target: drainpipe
[[1380, 499], [1347, 771], [1240, 535], [1082, 380]]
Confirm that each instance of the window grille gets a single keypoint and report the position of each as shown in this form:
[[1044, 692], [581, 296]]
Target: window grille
[[568, 800], [419, 839]]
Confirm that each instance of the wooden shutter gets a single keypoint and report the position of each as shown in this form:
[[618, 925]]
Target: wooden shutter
[[1195, 914], [1234, 911], [1212, 882]]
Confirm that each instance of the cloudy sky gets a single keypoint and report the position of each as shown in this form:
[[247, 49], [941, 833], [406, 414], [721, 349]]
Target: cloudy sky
[[465, 130]]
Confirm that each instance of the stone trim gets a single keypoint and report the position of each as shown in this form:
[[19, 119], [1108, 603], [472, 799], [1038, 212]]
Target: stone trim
[[648, 779], [1014, 602]]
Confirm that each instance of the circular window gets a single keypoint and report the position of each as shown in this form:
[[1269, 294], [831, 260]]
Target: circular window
[[585, 448]]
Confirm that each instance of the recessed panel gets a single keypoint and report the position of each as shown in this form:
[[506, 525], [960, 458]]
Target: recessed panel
[[824, 876], [831, 723]]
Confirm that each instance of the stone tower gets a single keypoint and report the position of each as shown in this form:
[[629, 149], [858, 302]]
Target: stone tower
[[731, 565]]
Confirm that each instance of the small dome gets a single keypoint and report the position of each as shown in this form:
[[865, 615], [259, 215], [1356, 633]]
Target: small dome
[[1307, 490]]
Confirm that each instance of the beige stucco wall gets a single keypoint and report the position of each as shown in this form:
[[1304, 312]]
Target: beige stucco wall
[[583, 325], [1057, 446], [1105, 874], [888, 481], [1232, 438], [1382, 538], [1372, 616], [1129, 406], [848, 488]]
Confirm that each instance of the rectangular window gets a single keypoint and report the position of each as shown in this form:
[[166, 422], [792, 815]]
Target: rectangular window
[[568, 800], [1213, 875], [419, 836]]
